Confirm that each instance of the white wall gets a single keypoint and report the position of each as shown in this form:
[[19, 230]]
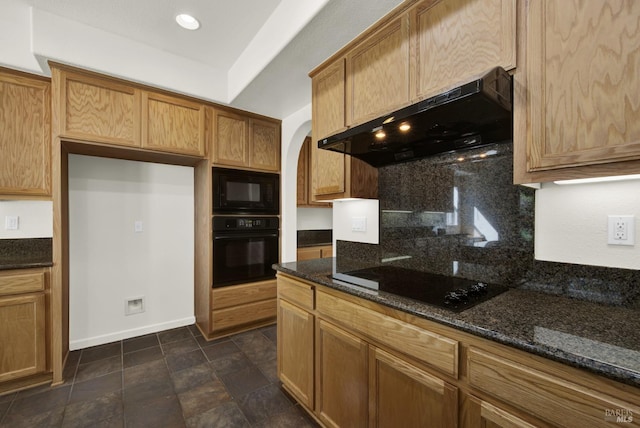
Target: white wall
[[110, 263], [343, 213], [35, 219], [294, 130], [571, 223], [314, 218]]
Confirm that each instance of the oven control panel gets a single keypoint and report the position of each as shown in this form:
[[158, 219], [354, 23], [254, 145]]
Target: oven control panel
[[245, 223]]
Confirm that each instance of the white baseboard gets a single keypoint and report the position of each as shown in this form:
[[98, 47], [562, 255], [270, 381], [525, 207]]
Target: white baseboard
[[126, 334]]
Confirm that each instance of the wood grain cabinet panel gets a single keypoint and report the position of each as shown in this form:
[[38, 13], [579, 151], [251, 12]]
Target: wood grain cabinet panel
[[435, 350], [231, 141], [328, 100], [456, 40], [342, 395], [242, 306], [377, 73], [173, 125], [404, 396], [582, 83], [486, 415], [304, 192], [245, 142], [264, 151], [558, 401], [25, 135], [99, 110], [296, 351], [22, 335]]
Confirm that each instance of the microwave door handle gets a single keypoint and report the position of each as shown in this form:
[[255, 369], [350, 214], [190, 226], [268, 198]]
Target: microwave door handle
[[245, 236]]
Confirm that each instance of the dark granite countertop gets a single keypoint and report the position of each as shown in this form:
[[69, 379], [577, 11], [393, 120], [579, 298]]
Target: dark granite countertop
[[25, 253], [599, 338]]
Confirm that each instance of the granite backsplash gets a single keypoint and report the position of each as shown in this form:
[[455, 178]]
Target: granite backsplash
[[459, 214]]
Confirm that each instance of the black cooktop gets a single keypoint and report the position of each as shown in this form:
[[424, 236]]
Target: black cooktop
[[453, 293]]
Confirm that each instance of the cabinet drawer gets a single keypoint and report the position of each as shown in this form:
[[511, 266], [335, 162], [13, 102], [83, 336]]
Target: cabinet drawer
[[21, 283], [242, 294], [548, 397], [236, 316], [296, 292], [433, 349]]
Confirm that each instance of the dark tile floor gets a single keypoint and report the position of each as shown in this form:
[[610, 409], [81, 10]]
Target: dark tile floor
[[169, 379]]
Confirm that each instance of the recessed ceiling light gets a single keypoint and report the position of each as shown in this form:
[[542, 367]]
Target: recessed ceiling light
[[404, 127], [187, 21]]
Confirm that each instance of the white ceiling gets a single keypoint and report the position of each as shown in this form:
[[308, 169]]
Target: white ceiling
[[265, 48]]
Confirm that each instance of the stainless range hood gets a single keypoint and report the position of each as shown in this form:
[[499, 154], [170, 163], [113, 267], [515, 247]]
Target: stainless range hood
[[470, 115]]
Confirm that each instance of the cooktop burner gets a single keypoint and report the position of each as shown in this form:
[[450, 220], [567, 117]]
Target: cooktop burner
[[453, 293]]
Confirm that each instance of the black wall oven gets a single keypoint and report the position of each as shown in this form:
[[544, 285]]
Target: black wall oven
[[244, 249], [245, 192]]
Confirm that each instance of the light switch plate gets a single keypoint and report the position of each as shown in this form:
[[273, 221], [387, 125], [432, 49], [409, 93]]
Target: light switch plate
[[11, 222], [358, 224]]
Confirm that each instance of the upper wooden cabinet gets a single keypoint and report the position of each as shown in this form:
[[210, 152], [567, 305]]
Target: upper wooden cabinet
[[173, 124], [582, 86], [328, 101], [304, 192], [231, 139], [25, 134], [377, 73], [245, 142], [456, 40], [97, 109], [336, 175], [264, 145]]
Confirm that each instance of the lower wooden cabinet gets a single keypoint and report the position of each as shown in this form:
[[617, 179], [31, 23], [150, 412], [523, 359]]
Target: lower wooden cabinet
[[295, 351], [342, 377], [485, 415], [22, 324], [353, 363], [241, 307], [406, 396], [316, 252]]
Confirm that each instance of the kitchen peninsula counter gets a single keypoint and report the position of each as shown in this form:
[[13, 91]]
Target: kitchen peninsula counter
[[602, 339], [25, 253]]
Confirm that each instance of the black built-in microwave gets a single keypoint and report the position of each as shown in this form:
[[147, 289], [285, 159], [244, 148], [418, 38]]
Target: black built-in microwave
[[245, 192]]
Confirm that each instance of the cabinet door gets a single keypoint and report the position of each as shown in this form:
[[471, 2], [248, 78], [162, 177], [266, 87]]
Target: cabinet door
[[328, 101], [309, 253], [231, 141], [295, 351], [378, 73], [486, 415], [173, 125], [328, 174], [22, 335], [457, 40], [98, 110], [403, 395], [25, 135], [264, 150], [302, 181], [342, 382], [583, 81]]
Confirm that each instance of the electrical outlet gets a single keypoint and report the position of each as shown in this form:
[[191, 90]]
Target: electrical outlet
[[138, 226], [621, 230]]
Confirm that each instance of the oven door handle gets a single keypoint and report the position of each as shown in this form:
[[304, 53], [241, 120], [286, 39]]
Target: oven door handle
[[245, 236]]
